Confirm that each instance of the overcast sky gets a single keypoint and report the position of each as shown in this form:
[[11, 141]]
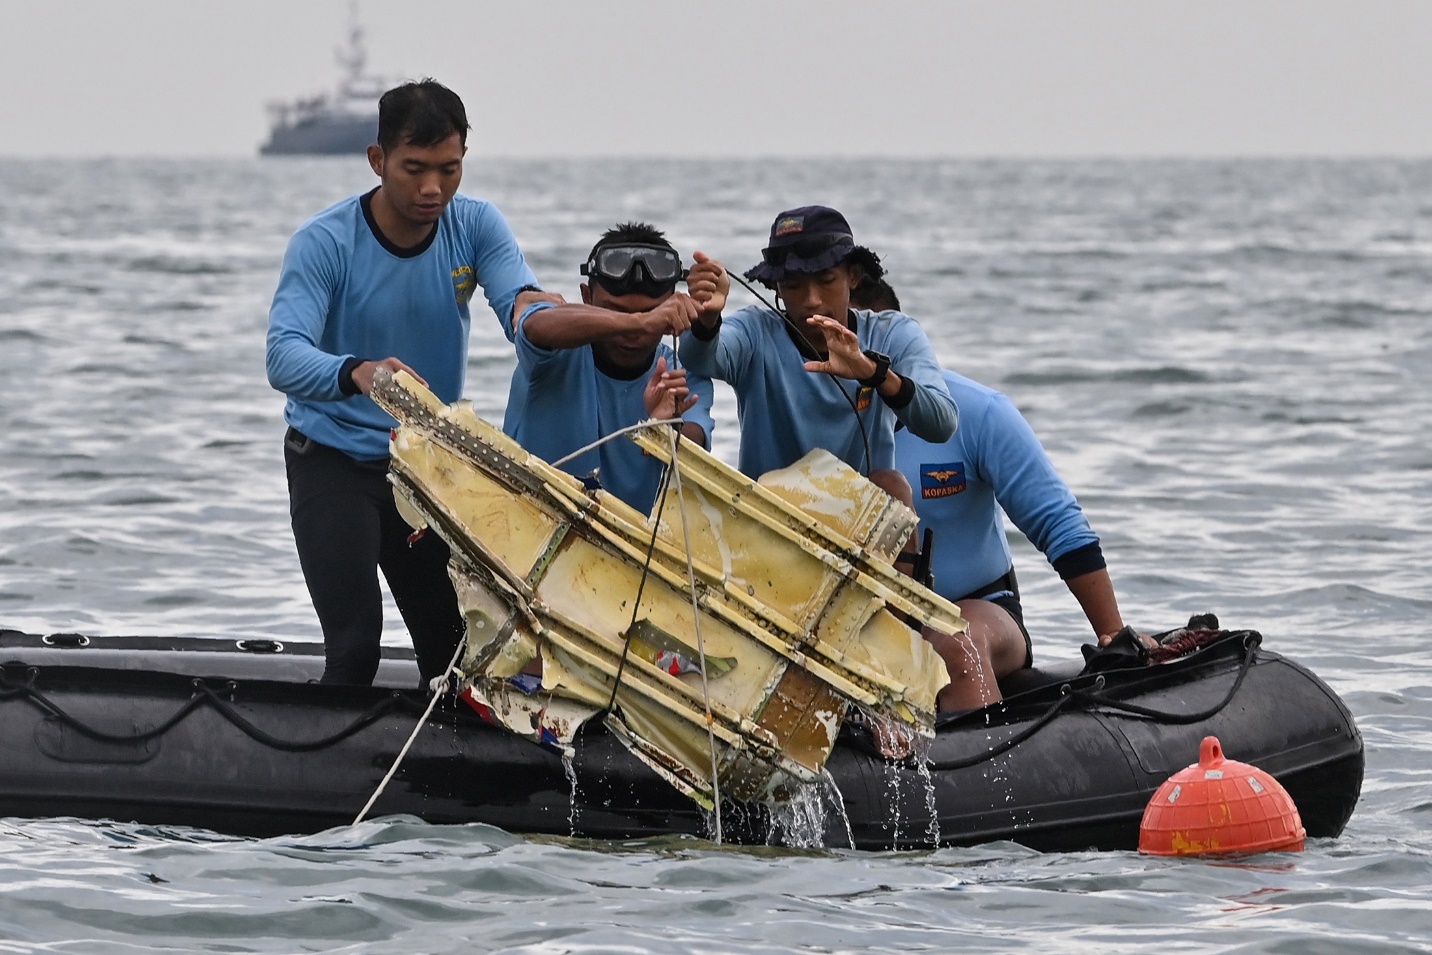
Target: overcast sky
[[744, 77]]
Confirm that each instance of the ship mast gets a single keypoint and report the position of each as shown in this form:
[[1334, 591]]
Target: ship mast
[[354, 57]]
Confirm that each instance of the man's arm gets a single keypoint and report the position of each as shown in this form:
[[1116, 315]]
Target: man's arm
[[924, 404], [1095, 593], [713, 348], [307, 283], [913, 386], [295, 363], [1030, 490], [573, 325], [500, 268]]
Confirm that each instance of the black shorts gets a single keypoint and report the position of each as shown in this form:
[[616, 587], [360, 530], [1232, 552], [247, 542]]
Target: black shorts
[[1004, 592], [1010, 603]]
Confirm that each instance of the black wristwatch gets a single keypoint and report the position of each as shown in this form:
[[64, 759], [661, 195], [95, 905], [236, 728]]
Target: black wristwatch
[[882, 369]]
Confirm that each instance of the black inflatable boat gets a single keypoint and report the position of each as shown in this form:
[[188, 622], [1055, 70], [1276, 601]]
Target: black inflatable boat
[[231, 735]]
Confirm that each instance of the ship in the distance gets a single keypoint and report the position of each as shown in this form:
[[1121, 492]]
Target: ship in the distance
[[343, 122]]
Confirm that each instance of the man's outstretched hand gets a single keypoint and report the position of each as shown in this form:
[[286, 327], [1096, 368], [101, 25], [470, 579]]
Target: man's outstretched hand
[[666, 394], [844, 357]]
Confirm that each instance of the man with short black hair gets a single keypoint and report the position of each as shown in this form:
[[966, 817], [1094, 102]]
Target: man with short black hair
[[382, 280], [586, 371]]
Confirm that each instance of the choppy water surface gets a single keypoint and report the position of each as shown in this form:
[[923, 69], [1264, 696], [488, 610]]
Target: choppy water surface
[[1228, 361]]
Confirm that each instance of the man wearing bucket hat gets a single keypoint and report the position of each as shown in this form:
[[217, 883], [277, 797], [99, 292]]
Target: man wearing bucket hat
[[819, 375]]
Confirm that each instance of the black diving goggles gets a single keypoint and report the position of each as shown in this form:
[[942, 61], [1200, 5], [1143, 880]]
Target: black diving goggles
[[630, 268]]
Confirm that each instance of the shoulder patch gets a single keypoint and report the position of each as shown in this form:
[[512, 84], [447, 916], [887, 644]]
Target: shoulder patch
[[942, 480]]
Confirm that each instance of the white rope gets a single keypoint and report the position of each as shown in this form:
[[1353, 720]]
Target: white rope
[[700, 644], [439, 686], [615, 434]]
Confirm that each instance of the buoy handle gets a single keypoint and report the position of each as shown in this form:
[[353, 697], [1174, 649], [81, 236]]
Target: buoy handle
[[1210, 753]]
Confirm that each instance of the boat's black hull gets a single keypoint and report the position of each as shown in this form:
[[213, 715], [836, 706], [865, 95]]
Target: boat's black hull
[[234, 760]]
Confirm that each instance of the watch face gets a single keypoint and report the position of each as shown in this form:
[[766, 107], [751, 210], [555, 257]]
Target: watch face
[[882, 368]]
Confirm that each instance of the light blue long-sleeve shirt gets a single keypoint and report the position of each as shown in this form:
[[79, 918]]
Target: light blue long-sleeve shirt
[[786, 411], [346, 292], [994, 461]]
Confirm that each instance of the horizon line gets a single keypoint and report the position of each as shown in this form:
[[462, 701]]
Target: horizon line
[[762, 157]]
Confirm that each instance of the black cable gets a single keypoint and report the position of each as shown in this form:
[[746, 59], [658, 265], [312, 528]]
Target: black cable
[[641, 586]]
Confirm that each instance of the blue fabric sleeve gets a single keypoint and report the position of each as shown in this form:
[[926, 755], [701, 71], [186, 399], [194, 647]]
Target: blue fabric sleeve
[[501, 269], [311, 273], [1026, 485], [931, 413], [725, 356], [533, 358], [700, 413]]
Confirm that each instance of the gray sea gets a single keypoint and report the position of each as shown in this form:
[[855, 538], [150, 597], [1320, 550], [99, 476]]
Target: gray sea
[[1228, 361]]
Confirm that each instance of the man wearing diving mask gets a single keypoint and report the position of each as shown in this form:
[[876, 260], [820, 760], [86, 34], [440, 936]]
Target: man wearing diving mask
[[585, 371]]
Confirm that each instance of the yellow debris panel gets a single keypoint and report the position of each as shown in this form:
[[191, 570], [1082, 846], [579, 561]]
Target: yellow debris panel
[[794, 595]]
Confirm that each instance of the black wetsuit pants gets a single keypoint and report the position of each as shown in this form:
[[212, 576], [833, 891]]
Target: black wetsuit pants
[[346, 527]]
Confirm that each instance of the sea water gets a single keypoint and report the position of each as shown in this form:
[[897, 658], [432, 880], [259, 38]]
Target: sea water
[[1228, 361]]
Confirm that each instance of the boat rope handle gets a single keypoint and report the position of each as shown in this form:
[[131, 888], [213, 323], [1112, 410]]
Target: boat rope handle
[[204, 695], [675, 471], [1068, 693], [1004, 747], [439, 685], [1250, 645]]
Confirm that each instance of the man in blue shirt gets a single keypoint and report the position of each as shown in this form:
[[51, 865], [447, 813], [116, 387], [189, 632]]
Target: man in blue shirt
[[585, 371], [819, 374], [994, 462], [382, 280], [790, 368]]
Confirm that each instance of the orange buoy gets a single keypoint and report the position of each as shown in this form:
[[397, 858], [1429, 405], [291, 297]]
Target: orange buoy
[[1219, 807]]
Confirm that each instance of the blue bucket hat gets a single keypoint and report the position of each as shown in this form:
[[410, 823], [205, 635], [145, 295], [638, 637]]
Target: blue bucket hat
[[807, 240]]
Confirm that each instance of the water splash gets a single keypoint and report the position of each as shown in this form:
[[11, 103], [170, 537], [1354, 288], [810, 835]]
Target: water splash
[[932, 830], [837, 802], [569, 767], [892, 782], [800, 821]]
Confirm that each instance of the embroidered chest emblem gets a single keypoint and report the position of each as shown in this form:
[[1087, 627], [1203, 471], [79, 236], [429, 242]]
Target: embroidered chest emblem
[[942, 480], [463, 283]]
